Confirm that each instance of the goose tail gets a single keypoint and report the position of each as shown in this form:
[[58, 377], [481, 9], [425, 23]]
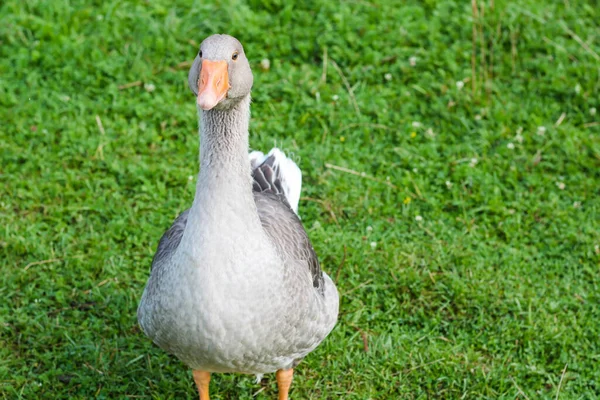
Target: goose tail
[[277, 173]]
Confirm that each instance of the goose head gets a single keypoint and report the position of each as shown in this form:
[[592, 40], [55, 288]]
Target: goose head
[[220, 75]]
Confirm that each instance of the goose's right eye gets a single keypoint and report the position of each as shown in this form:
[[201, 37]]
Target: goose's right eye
[[200, 54]]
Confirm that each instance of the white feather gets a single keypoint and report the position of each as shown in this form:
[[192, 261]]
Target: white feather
[[289, 173], [291, 177], [256, 158]]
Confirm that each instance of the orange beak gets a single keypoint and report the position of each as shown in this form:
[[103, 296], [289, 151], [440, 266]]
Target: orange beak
[[213, 84]]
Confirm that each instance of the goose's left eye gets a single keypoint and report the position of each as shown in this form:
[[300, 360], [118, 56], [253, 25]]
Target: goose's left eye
[[234, 56]]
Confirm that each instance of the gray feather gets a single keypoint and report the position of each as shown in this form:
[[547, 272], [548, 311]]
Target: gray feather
[[267, 178], [280, 222], [284, 229], [170, 240]]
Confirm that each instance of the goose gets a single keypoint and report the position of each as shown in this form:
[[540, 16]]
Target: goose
[[235, 285]]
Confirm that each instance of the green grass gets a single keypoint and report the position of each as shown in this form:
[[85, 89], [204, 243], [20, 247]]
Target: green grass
[[467, 255]]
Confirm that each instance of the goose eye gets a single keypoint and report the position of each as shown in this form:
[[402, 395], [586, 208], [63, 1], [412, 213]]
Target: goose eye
[[234, 56], [200, 53]]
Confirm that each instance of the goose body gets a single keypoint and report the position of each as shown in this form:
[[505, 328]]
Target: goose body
[[235, 284]]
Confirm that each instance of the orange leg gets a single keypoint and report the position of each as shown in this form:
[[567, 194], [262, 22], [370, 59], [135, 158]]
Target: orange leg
[[284, 381], [202, 379]]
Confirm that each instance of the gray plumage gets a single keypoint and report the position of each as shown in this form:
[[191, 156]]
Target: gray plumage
[[170, 240], [278, 219], [235, 284]]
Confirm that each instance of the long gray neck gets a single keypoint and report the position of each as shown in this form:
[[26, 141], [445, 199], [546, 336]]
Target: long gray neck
[[224, 163], [224, 198]]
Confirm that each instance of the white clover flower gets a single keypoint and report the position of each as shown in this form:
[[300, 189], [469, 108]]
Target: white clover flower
[[460, 85], [415, 170], [511, 146], [448, 184], [578, 88], [335, 97], [473, 162], [429, 133], [416, 124], [265, 64], [388, 77], [412, 61], [418, 218], [478, 117], [373, 245], [561, 185], [191, 178], [369, 228], [593, 111], [149, 87], [519, 138], [577, 204], [541, 130]]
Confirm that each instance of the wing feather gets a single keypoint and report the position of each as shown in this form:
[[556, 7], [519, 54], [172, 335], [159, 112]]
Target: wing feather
[[280, 221], [171, 238]]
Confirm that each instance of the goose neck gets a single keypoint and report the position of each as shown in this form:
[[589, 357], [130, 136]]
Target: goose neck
[[224, 164], [224, 136]]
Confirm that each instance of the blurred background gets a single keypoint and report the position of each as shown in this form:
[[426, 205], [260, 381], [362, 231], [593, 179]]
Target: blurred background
[[451, 160]]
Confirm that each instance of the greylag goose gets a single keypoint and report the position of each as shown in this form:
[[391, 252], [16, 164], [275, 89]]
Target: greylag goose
[[235, 284]]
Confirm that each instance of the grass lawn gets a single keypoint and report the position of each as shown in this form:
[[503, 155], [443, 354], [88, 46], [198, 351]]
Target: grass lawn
[[451, 162]]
